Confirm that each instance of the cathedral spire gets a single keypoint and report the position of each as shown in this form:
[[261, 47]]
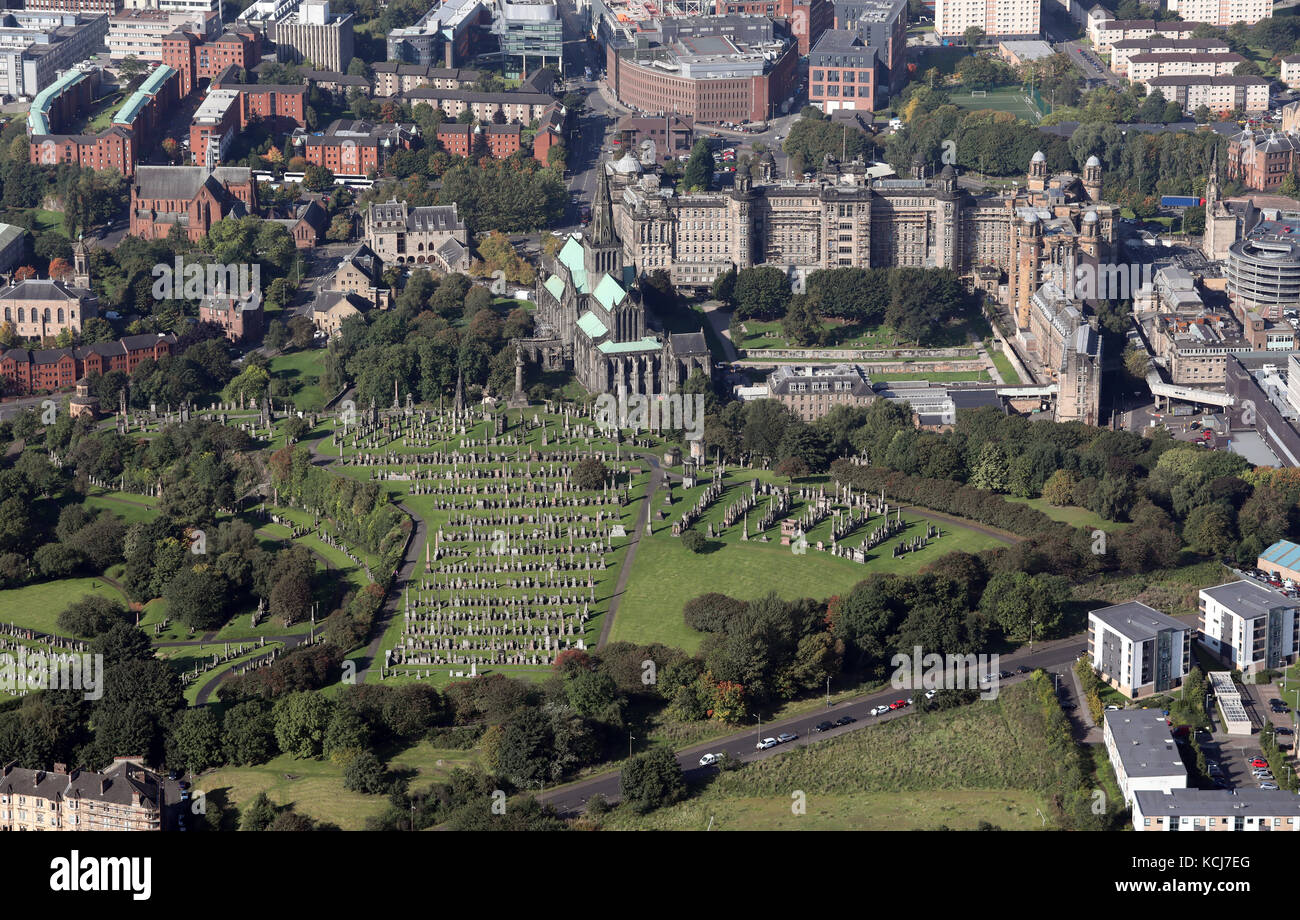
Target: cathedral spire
[[602, 211]]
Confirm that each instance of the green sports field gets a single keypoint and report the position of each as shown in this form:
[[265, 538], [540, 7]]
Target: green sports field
[[1003, 99]]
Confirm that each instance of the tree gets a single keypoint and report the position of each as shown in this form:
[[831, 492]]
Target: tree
[[694, 541], [300, 722], [651, 780], [974, 36], [318, 178], [258, 815], [366, 774], [92, 615], [1017, 602], [197, 739], [699, 168], [590, 474], [248, 730], [762, 292], [195, 596], [724, 286]]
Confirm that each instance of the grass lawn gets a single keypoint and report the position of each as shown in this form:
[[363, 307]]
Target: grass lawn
[[298, 368], [315, 787], [986, 761], [1069, 514], [125, 506], [666, 575], [1001, 362], [982, 376], [107, 108], [48, 222], [38, 606]]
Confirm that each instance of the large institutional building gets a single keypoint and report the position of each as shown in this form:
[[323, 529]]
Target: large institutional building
[[1040, 240]]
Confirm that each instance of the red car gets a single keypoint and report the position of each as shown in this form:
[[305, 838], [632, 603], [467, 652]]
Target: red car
[[898, 704], [1259, 762]]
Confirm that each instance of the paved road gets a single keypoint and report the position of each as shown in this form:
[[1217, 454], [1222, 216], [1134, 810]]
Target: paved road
[[572, 798], [1094, 70]]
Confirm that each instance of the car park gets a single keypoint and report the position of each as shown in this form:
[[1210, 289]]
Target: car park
[[786, 737], [767, 743], [823, 726]]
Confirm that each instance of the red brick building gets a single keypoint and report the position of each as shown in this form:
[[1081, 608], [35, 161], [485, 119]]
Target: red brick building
[[1262, 160], [197, 60], [113, 149], [33, 371], [241, 320], [459, 140], [354, 148], [550, 131], [191, 197]]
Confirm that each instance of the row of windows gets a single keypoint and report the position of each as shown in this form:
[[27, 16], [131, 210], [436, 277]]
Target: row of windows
[[35, 316]]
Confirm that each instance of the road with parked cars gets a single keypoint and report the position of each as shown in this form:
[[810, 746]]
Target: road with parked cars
[[766, 740]]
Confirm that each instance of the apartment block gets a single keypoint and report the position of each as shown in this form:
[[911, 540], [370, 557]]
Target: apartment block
[[197, 58], [141, 33], [1121, 51], [1105, 31], [1137, 650], [125, 797], [1226, 93], [392, 78], [521, 108], [460, 140], [1249, 626], [1221, 12], [1143, 67], [354, 148], [1215, 810], [215, 124], [998, 18], [1143, 752], [38, 45]]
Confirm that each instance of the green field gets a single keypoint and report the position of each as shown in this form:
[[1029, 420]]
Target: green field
[[315, 787], [38, 606], [981, 376], [298, 368], [1070, 514], [665, 575], [1002, 99], [1003, 364], [988, 761], [760, 334]]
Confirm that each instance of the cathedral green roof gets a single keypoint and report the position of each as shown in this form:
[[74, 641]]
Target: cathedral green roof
[[571, 256], [621, 348], [555, 286], [591, 325], [608, 292]]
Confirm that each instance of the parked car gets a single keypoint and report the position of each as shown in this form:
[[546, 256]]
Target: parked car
[[1283, 730], [1022, 670], [898, 704], [1112, 708], [845, 720], [786, 737], [931, 694], [1271, 787], [823, 726], [767, 743], [709, 760], [879, 710], [1259, 762]]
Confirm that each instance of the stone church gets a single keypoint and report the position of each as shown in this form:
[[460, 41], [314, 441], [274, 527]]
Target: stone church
[[591, 319]]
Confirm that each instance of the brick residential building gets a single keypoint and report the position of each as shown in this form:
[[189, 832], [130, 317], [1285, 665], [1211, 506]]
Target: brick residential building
[[459, 140], [354, 148], [197, 58], [392, 78], [1261, 160], [550, 132], [44, 370]]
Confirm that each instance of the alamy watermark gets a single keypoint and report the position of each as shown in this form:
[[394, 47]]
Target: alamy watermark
[[195, 281], [919, 671], [31, 669], [665, 412]]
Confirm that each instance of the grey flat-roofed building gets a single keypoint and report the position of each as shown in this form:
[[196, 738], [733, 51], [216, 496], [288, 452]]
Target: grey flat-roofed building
[[1216, 810], [1138, 650], [1142, 751], [1249, 626]]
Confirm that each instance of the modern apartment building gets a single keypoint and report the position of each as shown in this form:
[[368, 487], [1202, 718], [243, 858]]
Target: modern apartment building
[[1226, 93], [392, 78], [196, 57], [998, 18], [1143, 67], [1250, 626], [1143, 752], [1221, 12], [1121, 51], [1137, 650], [1215, 810], [460, 140], [519, 107], [354, 148], [444, 37], [1104, 31]]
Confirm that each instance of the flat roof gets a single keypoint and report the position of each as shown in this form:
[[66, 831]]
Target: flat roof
[[1135, 620], [1248, 599], [1145, 745], [1218, 803]]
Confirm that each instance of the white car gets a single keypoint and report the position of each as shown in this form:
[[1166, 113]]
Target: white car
[[931, 694], [880, 710], [767, 743], [709, 760]]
